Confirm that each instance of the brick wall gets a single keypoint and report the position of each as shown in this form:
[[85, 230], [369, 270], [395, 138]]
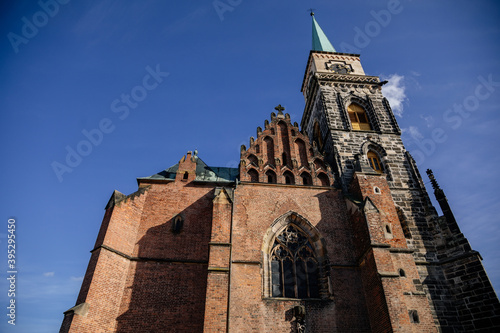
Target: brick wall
[[142, 269], [388, 265], [163, 297], [256, 208]]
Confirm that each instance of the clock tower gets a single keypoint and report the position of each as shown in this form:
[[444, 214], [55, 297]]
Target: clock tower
[[349, 120]]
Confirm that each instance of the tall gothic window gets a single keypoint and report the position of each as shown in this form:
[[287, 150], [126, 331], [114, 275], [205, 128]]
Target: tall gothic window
[[359, 120], [294, 268]]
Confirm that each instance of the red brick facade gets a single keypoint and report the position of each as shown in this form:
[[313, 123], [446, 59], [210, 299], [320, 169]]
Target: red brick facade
[[304, 236], [213, 272]]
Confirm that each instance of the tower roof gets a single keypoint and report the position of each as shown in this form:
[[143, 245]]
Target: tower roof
[[319, 40]]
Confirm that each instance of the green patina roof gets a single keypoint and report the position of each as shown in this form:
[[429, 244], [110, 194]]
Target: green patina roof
[[319, 41], [204, 173]]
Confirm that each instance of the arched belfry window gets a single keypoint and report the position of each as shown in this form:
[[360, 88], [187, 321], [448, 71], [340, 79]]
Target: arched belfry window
[[374, 161], [358, 117], [294, 267]]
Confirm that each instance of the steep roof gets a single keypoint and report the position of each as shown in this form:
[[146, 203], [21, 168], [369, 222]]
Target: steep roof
[[204, 173], [319, 40]]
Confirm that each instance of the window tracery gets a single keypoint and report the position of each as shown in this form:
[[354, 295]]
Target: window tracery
[[294, 267]]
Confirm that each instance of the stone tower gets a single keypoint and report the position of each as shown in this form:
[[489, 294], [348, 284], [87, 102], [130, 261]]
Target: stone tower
[[352, 123], [323, 228]]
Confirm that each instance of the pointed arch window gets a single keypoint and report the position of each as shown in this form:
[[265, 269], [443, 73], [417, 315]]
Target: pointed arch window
[[358, 117], [306, 178], [289, 178], [294, 267], [301, 152], [254, 175], [177, 223], [269, 150], [271, 177], [374, 161], [324, 179]]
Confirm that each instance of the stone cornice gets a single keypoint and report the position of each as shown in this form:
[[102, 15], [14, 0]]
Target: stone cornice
[[348, 78]]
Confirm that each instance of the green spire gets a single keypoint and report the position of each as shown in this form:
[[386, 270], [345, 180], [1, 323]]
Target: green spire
[[320, 41]]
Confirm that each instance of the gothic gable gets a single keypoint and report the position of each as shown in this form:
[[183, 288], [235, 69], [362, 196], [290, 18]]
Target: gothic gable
[[282, 154]]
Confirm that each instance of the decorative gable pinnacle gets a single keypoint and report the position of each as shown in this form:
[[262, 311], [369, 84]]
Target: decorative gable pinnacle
[[282, 154]]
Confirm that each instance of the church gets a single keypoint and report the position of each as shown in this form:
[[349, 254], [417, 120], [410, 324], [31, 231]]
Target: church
[[325, 226]]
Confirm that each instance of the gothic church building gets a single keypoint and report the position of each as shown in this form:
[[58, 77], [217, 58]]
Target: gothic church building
[[323, 227]]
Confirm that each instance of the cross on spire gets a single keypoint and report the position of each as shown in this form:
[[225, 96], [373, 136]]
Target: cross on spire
[[279, 108], [311, 10]]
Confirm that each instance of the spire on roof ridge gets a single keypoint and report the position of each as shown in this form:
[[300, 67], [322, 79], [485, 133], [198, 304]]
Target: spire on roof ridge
[[319, 40]]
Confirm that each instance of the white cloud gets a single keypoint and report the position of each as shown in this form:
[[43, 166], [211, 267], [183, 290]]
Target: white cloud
[[414, 132], [76, 278], [48, 274], [394, 91]]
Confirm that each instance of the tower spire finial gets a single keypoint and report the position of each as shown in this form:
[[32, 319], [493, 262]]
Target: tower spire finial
[[443, 203], [319, 40], [434, 183]]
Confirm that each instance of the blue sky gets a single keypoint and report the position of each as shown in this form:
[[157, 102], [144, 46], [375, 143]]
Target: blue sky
[[204, 75]]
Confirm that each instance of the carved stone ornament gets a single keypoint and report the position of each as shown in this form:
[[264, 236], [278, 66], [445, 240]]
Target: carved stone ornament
[[340, 68]]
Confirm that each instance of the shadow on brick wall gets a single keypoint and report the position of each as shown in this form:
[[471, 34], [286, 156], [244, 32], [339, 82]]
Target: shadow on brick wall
[[167, 283]]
